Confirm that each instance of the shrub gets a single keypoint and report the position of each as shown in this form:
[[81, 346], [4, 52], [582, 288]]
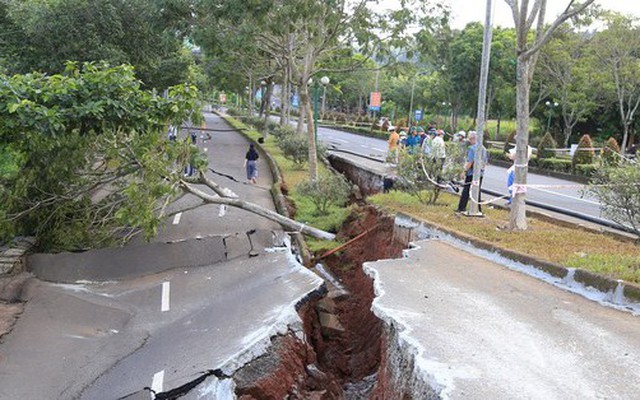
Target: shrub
[[418, 176], [585, 169], [329, 190], [295, 148], [584, 153], [546, 145], [555, 164], [233, 111], [510, 139], [619, 192], [281, 131], [610, 152], [497, 154]]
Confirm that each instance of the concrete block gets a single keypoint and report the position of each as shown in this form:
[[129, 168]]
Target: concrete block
[[327, 305], [237, 246], [330, 324]]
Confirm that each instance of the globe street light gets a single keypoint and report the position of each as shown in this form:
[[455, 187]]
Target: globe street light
[[324, 81], [551, 106], [445, 105], [263, 86]]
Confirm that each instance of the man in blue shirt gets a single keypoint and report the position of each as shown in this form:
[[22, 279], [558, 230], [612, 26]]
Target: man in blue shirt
[[468, 172]]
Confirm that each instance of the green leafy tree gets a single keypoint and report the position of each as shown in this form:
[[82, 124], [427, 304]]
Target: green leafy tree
[[529, 41], [147, 34], [570, 76], [615, 51], [87, 141], [424, 177], [618, 190], [330, 190]]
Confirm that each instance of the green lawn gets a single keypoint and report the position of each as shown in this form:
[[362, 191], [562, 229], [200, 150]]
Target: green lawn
[[571, 247]]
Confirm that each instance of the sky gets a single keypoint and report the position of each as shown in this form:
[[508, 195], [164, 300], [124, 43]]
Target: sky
[[465, 11]]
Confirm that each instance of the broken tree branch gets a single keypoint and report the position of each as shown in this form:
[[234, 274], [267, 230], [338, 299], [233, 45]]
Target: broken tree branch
[[285, 222]]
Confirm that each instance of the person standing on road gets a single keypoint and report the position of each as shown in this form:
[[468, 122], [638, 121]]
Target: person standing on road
[[251, 163], [393, 141], [467, 174]]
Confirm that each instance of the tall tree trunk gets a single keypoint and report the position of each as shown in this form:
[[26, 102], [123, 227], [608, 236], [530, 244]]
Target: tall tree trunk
[[625, 138], [284, 97], [498, 126], [302, 111], [517, 217], [313, 155]]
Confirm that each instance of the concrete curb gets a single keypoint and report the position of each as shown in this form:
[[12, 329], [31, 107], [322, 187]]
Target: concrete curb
[[587, 278], [276, 191]]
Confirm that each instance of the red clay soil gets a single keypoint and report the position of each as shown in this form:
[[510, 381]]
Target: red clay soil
[[295, 370], [355, 353]]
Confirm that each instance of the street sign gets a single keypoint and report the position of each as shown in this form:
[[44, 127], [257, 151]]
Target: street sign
[[223, 98], [418, 116], [375, 101]]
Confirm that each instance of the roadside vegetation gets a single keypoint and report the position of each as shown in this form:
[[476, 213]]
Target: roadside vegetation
[[303, 197], [571, 247]]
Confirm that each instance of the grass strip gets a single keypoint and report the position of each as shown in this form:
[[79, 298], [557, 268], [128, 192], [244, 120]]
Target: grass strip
[[572, 247]]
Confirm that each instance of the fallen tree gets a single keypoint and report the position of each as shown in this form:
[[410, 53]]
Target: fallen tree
[[93, 166]]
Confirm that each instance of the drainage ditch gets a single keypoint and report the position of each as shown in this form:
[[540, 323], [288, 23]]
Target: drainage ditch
[[339, 354]]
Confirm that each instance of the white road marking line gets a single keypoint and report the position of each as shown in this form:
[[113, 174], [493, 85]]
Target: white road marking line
[[339, 140], [565, 195], [378, 149], [157, 383], [176, 219], [166, 289], [222, 210]]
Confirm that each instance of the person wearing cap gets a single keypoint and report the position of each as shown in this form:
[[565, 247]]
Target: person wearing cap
[[468, 172], [394, 139], [511, 172]]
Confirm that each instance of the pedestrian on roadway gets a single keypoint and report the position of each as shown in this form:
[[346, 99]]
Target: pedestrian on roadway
[[394, 139], [251, 163], [467, 174]]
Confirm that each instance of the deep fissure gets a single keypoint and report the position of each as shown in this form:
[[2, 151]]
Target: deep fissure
[[340, 355]]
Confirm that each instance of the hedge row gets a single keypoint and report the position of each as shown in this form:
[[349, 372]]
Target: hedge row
[[563, 165]]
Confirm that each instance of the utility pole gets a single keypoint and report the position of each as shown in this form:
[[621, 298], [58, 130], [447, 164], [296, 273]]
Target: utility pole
[[478, 162]]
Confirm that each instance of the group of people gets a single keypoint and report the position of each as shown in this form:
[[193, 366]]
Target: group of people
[[429, 143]]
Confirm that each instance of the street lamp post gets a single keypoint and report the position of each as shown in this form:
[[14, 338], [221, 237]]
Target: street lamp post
[[551, 106], [445, 106], [324, 81], [263, 86], [413, 87]]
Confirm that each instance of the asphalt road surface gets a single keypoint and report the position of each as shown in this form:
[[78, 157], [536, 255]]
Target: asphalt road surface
[[563, 194]]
